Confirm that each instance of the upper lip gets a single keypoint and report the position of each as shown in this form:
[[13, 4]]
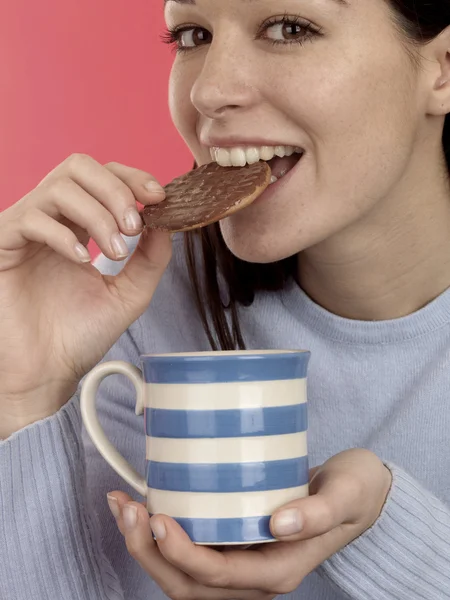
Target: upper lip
[[235, 141]]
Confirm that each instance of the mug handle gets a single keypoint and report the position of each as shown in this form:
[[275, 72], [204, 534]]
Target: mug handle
[[88, 395]]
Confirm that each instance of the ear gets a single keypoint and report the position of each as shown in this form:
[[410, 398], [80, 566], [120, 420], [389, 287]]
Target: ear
[[437, 66]]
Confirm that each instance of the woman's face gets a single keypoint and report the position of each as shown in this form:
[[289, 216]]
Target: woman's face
[[331, 77]]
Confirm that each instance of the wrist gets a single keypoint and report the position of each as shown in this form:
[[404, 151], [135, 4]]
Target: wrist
[[19, 410], [13, 423]]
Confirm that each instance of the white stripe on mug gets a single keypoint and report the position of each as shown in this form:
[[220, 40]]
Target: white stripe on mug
[[226, 396], [229, 450], [195, 505]]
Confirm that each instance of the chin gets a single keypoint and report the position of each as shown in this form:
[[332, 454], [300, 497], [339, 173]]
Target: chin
[[258, 248]]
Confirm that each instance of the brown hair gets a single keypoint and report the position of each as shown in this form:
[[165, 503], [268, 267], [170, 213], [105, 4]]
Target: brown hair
[[221, 281]]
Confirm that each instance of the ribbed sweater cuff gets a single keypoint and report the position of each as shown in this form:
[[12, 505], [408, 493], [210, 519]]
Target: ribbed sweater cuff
[[404, 556], [49, 544]]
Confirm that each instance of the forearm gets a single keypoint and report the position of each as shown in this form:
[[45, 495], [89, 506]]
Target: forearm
[[49, 543]]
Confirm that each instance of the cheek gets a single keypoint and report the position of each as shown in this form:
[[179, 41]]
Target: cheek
[[345, 92], [373, 130], [182, 111], [359, 117]]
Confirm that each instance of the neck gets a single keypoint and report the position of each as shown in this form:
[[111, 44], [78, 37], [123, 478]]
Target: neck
[[392, 262]]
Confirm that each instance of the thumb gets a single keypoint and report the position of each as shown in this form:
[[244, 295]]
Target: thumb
[[331, 505], [135, 285]]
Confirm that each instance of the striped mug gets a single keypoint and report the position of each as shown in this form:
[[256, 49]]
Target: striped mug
[[225, 438]]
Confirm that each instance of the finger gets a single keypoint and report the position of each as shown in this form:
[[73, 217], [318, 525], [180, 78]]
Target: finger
[[172, 581], [108, 189], [146, 189], [233, 570], [337, 497], [142, 547], [135, 285], [65, 198], [116, 501], [36, 226]]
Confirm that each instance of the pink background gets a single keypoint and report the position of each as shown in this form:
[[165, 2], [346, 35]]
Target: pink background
[[83, 76]]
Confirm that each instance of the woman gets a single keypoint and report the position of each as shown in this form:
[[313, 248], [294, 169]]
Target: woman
[[347, 255]]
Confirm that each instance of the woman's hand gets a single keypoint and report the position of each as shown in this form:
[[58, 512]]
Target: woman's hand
[[347, 496], [58, 315]]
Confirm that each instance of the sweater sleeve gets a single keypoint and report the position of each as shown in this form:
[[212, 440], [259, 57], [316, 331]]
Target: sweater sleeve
[[405, 555], [49, 537]]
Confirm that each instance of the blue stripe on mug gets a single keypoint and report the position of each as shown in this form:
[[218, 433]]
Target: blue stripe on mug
[[227, 531], [247, 422], [228, 477], [224, 368]]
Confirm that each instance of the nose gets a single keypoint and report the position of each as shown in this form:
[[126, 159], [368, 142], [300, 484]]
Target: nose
[[226, 83]]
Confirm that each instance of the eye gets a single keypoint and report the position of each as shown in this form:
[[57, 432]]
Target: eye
[[285, 31], [288, 30], [186, 38], [195, 36]]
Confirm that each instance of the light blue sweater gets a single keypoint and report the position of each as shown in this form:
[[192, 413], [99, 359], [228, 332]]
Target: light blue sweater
[[384, 386]]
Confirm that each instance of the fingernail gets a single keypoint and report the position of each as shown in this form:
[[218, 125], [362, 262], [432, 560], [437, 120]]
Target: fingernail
[[82, 253], [158, 528], [119, 246], [154, 188], [113, 506], [287, 522], [129, 516], [133, 219]]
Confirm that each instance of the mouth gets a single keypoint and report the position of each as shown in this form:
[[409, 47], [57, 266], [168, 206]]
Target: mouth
[[281, 159]]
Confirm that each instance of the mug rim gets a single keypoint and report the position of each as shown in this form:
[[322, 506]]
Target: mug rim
[[226, 354]]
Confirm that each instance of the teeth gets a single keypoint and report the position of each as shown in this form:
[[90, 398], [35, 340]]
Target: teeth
[[252, 155], [266, 152], [273, 179], [239, 157], [223, 157]]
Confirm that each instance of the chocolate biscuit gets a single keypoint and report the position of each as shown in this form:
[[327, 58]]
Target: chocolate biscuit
[[207, 195]]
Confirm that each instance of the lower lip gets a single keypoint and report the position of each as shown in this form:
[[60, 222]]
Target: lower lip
[[273, 188]]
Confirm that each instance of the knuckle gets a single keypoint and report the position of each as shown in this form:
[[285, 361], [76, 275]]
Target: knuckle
[[102, 221], [112, 165], [179, 592], [286, 586], [58, 187], [76, 160], [328, 514], [134, 547], [122, 194], [69, 239], [216, 580], [28, 219]]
